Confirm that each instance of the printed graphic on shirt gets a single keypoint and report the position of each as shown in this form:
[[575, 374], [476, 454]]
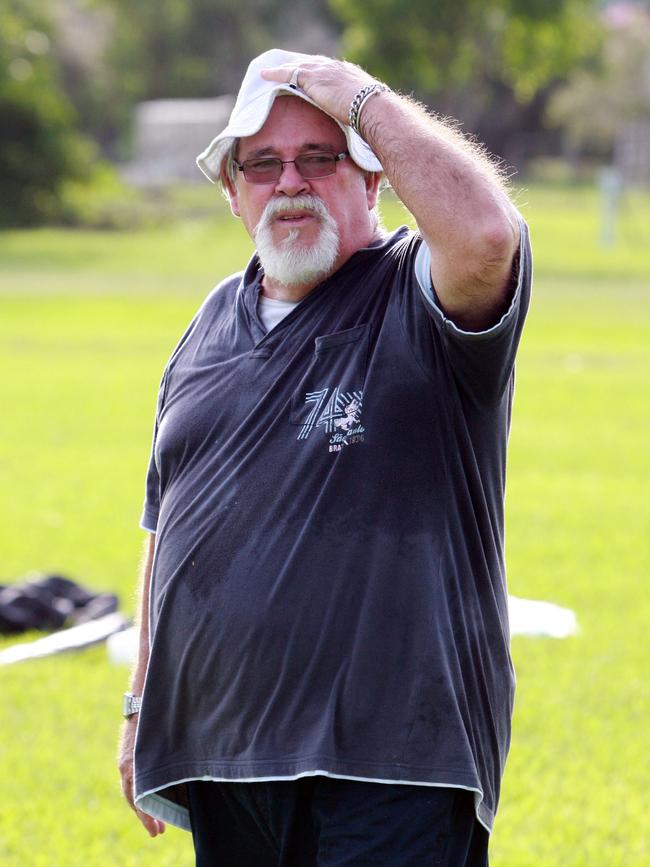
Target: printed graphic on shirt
[[338, 414]]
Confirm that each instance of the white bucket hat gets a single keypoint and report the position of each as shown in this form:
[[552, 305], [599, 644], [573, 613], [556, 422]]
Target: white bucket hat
[[254, 101]]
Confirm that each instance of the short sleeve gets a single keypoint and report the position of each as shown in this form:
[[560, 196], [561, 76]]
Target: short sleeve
[[482, 361], [149, 517]]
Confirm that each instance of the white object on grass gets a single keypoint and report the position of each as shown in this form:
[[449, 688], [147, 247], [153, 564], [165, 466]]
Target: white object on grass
[[74, 638], [123, 646], [534, 618]]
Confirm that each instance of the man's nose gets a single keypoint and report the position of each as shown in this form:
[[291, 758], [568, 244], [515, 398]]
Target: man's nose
[[291, 182]]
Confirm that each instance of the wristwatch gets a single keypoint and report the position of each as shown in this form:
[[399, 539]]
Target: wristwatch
[[130, 705]]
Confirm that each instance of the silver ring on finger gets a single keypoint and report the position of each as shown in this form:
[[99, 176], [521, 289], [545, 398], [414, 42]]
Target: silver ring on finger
[[293, 81]]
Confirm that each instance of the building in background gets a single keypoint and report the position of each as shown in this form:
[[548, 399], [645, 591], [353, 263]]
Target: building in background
[[168, 135]]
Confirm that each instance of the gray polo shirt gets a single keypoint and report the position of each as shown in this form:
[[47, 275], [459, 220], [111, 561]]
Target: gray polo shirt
[[328, 591]]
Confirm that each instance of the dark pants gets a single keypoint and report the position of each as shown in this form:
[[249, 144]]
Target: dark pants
[[323, 822]]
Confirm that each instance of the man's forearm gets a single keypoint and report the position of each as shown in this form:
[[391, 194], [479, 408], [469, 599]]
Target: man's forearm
[[140, 666], [458, 198], [127, 737]]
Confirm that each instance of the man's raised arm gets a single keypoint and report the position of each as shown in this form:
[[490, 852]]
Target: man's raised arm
[[449, 184]]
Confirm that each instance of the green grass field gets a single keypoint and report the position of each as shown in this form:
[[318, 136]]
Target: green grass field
[[87, 321]]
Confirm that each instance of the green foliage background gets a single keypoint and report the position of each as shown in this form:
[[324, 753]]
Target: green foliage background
[[71, 71], [88, 319], [39, 147], [446, 45]]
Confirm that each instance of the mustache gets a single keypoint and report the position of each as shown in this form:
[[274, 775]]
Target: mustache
[[282, 204]]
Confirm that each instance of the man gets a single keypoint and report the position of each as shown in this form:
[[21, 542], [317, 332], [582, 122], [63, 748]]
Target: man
[[324, 671]]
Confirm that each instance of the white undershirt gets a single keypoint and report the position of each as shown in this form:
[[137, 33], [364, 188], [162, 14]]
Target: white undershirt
[[272, 311]]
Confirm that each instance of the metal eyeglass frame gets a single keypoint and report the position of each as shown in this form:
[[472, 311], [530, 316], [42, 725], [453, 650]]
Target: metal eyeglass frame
[[282, 163]]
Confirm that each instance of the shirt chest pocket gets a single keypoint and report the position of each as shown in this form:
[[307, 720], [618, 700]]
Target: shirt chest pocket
[[331, 391]]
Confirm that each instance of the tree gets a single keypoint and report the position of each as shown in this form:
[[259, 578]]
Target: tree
[[492, 64], [39, 149], [598, 103], [200, 48]]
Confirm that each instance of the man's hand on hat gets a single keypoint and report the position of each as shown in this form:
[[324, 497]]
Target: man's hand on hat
[[331, 84]]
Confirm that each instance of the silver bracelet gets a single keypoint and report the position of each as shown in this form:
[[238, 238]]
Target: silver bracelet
[[360, 100]]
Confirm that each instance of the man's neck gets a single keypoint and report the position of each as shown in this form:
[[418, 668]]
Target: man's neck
[[279, 292]]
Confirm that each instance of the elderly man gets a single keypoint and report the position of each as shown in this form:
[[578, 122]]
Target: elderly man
[[324, 673]]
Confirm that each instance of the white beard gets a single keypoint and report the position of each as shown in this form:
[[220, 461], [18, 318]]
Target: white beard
[[290, 262]]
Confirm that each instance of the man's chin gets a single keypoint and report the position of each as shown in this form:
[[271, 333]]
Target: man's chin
[[297, 238], [298, 256]]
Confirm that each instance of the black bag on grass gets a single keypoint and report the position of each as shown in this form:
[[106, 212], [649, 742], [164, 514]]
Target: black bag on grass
[[50, 602]]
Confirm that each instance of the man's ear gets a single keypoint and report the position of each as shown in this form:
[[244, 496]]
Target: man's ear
[[230, 190], [372, 181]]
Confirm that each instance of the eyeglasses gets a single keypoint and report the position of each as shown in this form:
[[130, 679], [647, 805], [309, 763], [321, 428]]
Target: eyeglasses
[[268, 170]]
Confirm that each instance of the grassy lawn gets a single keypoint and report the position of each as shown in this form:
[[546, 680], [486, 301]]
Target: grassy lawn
[[87, 321]]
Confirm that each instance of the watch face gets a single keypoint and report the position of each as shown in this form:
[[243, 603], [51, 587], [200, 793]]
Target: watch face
[[130, 705]]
